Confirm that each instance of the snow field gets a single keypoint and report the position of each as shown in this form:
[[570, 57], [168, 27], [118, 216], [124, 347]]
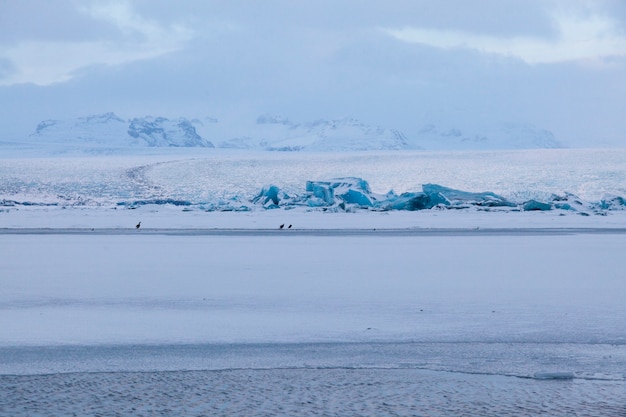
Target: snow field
[[95, 289]]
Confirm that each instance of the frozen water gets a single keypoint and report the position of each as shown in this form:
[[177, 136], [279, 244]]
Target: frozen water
[[282, 287], [507, 313], [305, 392], [437, 379], [568, 180]]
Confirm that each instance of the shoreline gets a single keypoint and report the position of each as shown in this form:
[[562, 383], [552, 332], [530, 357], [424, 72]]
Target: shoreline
[[392, 232]]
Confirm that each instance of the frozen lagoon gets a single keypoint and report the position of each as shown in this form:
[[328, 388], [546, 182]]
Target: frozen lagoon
[[434, 314], [305, 392], [263, 322], [304, 287]]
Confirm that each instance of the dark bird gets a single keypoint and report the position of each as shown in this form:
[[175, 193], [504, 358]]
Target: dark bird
[[289, 227], [281, 226], [138, 225]]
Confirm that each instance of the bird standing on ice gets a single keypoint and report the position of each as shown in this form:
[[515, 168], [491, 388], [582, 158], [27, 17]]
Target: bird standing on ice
[[138, 225], [282, 225]]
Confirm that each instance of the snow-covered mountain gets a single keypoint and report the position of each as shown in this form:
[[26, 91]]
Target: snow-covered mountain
[[497, 136], [276, 133], [109, 130]]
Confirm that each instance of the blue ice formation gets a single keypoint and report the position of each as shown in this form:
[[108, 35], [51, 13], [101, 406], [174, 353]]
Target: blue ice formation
[[355, 191], [156, 201], [352, 193], [268, 197]]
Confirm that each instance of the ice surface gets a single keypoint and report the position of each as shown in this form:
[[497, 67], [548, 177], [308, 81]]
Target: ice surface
[[281, 287], [305, 392], [490, 305], [372, 181]]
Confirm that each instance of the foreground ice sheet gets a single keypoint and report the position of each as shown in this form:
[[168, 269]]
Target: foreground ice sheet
[[435, 324], [305, 392], [145, 324], [149, 288]]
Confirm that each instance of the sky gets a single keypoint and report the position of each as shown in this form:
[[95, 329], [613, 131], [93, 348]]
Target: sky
[[559, 65]]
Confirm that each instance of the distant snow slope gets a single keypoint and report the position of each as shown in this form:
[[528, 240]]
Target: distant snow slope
[[498, 136], [281, 134], [107, 132]]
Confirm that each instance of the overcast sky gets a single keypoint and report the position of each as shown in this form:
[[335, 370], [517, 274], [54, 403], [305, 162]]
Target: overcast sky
[[557, 64]]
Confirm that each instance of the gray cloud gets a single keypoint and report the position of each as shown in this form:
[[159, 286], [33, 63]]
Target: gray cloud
[[316, 59]]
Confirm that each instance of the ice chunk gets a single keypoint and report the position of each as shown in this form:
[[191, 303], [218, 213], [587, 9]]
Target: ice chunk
[[613, 203], [534, 205], [322, 190], [487, 199], [353, 190], [268, 196], [413, 201], [155, 201]]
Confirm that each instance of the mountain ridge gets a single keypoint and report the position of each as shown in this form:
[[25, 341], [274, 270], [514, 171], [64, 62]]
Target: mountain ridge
[[277, 133]]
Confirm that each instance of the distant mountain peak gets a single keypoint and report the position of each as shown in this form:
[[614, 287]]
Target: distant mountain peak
[[108, 129], [267, 119], [161, 131], [45, 124], [507, 135], [278, 133], [101, 118]]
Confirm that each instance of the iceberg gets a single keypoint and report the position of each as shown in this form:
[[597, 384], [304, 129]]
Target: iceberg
[[353, 190], [612, 203], [534, 205], [321, 193], [268, 197], [156, 201], [457, 197], [413, 201]]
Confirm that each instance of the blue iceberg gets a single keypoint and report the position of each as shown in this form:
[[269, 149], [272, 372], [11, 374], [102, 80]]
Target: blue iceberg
[[268, 197], [457, 197], [353, 193]]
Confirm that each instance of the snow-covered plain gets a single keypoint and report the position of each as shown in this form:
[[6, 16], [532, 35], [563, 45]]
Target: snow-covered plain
[[208, 178], [478, 290], [71, 250]]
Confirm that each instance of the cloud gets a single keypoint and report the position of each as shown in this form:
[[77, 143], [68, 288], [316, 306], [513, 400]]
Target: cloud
[[577, 38], [134, 38]]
